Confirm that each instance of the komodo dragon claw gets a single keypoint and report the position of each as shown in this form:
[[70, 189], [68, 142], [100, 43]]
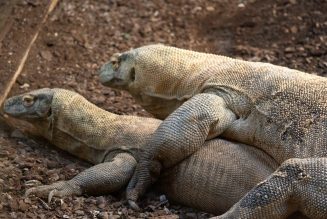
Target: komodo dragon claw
[[58, 189], [133, 205]]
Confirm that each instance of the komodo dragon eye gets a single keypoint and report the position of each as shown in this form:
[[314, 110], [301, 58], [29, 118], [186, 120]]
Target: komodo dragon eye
[[115, 60], [28, 100]]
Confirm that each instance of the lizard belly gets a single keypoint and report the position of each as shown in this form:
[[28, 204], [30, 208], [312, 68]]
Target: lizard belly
[[216, 176]]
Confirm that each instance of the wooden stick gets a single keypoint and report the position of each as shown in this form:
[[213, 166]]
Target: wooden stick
[[19, 69]]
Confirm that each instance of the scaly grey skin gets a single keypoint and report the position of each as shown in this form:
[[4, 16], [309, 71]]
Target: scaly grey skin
[[202, 96], [114, 143]]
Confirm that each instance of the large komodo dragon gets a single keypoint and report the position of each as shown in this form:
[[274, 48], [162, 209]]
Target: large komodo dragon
[[115, 142], [277, 109]]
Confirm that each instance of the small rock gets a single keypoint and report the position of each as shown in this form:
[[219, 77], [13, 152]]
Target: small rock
[[101, 202], [115, 216], [31, 215], [210, 8], [13, 215], [79, 212], [289, 49], [241, 5], [27, 201], [95, 213], [117, 204], [22, 205], [13, 204], [104, 215], [294, 29], [52, 164], [3, 154], [24, 86], [99, 100], [196, 9], [47, 55], [54, 177], [90, 200], [42, 216]]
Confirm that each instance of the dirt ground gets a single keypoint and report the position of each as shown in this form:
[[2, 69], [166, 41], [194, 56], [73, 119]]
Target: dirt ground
[[79, 36]]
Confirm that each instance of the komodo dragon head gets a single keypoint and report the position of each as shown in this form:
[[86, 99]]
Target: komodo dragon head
[[33, 105], [155, 73]]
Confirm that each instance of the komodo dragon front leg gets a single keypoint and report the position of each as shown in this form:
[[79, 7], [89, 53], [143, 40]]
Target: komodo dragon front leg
[[103, 178], [175, 139], [75, 125]]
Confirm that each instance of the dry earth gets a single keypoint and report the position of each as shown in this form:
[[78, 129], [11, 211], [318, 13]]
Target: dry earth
[[80, 36]]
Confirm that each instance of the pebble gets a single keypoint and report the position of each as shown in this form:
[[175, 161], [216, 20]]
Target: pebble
[[47, 55], [22, 205], [17, 134], [210, 8], [101, 202], [79, 212], [24, 86]]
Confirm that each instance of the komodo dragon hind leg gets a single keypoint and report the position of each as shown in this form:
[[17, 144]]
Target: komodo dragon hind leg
[[100, 179], [298, 184]]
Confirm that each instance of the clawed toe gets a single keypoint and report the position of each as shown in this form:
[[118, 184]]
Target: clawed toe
[[51, 194], [59, 189], [133, 205]]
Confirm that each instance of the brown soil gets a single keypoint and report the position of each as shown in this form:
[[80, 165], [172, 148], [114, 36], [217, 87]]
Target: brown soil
[[80, 36]]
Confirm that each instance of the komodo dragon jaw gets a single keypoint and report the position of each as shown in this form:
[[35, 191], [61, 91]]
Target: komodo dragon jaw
[[30, 106]]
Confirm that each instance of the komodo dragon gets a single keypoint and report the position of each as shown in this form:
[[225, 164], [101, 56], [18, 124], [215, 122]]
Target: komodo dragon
[[277, 109], [115, 142]]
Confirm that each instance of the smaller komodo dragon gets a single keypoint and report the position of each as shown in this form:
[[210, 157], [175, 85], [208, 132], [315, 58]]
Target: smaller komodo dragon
[[114, 143], [201, 96]]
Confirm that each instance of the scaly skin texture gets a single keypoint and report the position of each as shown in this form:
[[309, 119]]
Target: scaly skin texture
[[202, 96], [114, 143]]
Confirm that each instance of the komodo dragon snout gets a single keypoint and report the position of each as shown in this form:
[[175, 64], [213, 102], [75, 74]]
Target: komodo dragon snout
[[119, 72], [32, 105]]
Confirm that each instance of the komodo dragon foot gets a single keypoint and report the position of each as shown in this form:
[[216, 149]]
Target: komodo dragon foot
[[58, 189], [99, 179]]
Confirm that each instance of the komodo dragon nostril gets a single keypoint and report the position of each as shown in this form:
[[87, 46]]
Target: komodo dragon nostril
[[6, 106]]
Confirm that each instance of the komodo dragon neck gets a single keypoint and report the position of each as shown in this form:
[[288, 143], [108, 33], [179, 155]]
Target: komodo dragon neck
[[88, 132]]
